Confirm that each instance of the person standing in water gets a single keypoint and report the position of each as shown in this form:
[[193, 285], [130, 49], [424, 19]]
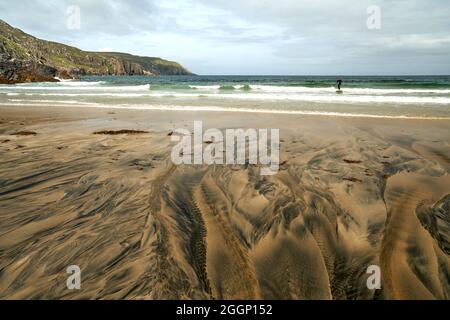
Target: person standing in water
[[339, 83]]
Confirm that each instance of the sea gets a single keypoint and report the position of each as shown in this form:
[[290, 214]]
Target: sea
[[409, 97]]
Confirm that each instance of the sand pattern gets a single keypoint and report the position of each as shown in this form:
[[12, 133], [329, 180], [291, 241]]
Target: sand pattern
[[348, 195]]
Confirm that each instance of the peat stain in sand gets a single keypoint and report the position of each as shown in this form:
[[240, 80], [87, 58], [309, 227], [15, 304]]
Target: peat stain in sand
[[352, 161], [117, 132], [24, 133], [351, 179]]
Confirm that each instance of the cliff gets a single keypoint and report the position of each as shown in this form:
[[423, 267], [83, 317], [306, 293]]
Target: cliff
[[24, 58]]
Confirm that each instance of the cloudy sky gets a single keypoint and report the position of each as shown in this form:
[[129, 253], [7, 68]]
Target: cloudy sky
[[253, 36]]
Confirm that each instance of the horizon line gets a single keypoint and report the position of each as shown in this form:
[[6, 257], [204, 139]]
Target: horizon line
[[281, 75]]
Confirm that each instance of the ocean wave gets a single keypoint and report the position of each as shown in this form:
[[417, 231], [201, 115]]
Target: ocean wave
[[395, 91], [161, 86], [61, 83], [266, 97], [339, 98], [74, 88], [81, 83], [331, 89], [53, 101], [80, 94], [322, 89], [224, 87], [103, 86]]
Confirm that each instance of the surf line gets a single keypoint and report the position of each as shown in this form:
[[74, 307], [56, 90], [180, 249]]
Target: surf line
[[235, 148]]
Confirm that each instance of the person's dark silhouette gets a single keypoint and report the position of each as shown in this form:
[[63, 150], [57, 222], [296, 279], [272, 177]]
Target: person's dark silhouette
[[339, 83]]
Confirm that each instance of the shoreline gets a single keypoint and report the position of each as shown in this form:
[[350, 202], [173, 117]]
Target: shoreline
[[225, 110]]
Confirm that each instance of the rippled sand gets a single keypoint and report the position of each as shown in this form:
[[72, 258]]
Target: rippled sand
[[350, 193]]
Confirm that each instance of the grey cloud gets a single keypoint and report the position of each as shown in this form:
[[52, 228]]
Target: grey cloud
[[322, 34], [114, 17]]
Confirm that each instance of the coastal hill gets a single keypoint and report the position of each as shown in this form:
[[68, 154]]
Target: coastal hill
[[24, 58]]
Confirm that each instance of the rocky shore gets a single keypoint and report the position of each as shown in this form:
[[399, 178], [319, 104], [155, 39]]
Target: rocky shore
[[24, 58]]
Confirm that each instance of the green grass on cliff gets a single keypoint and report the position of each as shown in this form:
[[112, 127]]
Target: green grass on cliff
[[21, 46]]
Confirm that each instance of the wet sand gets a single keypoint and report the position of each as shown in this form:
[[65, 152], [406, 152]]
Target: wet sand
[[350, 193]]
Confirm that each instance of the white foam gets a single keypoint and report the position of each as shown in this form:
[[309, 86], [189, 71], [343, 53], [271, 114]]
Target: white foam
[[100, 85], [338, 98], [395, 91], [80, 83], [264, 97], [372, 91], [105, 94], [53, 101], [205, 87], [76, 86], [62, 82], [330, 89], [226, 109]]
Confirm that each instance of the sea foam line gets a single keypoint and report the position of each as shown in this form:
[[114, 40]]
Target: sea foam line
[[74, 85], [267, 97], [225, 109], [330, 89], [53, 101], [145, 87]]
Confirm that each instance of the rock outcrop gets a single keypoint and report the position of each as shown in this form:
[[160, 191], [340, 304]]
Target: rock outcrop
[[24, 58]]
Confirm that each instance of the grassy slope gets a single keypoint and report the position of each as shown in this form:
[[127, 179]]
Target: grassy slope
[[22, 46]]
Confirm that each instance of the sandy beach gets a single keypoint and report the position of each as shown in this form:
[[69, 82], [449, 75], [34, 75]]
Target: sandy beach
[[351, 192]]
